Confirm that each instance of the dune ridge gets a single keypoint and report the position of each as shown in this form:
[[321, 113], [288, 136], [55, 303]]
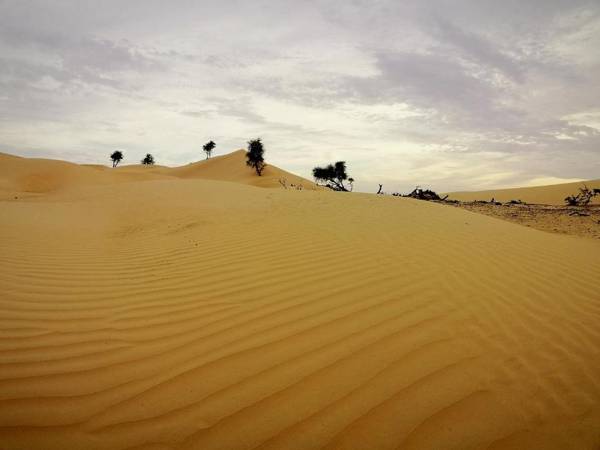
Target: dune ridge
[[38, 176], [182, 311], [544, 195]]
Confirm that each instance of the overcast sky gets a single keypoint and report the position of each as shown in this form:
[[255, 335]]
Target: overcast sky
[[444, 94]]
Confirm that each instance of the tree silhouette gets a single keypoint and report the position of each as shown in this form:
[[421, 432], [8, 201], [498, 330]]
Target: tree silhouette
[[254, 156], [116, 157], [333, 176], [148, 160], [208, 148]]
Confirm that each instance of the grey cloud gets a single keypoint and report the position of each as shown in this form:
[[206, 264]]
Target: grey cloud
[[496, 77], [478, 48]]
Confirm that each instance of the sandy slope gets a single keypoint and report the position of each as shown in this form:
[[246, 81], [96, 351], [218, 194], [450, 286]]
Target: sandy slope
[[188, 313], [30, 176], [232, 167], [547, 195]]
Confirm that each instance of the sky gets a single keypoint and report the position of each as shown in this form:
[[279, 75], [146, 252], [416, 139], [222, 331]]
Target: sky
[[451, 95]]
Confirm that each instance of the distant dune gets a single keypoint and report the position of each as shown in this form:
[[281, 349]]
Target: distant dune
[[546, 195], [185, 308], [32, 175]]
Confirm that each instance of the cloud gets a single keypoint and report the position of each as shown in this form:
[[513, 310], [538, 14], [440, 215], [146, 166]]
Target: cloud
[[454, 94]]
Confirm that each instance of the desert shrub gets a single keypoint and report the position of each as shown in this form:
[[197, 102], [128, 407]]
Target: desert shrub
[[583, 198], [332, 176], [148, 160], [425, 194]]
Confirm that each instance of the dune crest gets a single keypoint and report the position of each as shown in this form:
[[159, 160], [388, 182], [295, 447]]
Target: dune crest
[[545, 195], [37, 176], [177, 311]]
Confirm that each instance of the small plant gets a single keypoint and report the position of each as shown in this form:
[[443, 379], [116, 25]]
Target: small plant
[[208, 148], [116, 157], [148, 160], [255, 156], [283, 182], [332, 176]]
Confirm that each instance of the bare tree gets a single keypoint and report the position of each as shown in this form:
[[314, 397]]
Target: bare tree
[[583, 198]]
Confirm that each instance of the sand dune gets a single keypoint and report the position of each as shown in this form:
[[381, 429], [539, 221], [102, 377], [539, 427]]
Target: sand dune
[[232, 167], [36, 176], [179, 311], [546, 195]]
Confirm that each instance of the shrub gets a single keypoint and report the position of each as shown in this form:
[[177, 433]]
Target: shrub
[[425, 194], [332, 176], [148, 160]]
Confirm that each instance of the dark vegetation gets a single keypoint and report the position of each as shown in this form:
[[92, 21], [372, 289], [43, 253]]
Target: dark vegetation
[[419, 194], [117, 157], [583, 198], [432, 196], [148, 160], [333, 176], [425, 194], [208, 148], [255, 156]]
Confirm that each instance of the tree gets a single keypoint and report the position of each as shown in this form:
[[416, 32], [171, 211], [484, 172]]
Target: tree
[[208, 148], [255, 156], [333, 176], [148, 160], [116, 157]]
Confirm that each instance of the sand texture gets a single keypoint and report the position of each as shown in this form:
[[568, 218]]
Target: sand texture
[[544, 195], [190, 308], [583, 221]]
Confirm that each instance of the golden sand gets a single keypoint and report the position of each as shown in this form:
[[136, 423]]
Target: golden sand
[[187, 308], [545, 195]]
